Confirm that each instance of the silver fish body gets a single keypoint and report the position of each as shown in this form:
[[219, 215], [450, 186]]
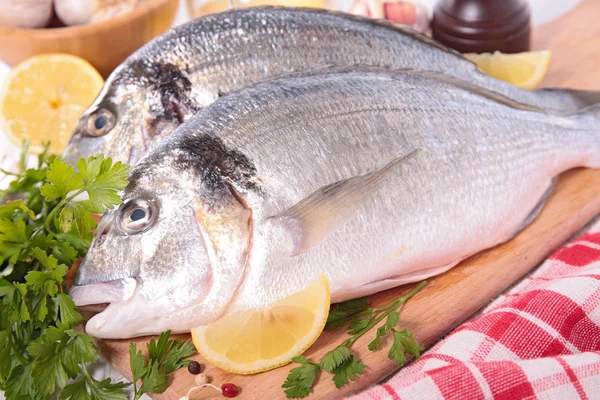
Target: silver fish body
[[374, 178], [171, 78]]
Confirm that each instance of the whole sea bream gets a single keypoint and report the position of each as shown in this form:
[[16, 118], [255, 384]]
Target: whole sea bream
[[372, 177], [167, 81]]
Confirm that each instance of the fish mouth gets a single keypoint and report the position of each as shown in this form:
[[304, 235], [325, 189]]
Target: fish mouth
[[93, 308], [96, 297]]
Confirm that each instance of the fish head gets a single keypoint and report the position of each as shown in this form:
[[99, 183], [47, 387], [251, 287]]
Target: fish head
[[113, 125], [136, 107], [170, 257]]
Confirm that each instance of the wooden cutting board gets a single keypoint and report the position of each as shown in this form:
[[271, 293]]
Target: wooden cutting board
[[450, 298]]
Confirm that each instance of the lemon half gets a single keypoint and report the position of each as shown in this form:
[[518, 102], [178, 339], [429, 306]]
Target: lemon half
[[43, 98], [254, 341]]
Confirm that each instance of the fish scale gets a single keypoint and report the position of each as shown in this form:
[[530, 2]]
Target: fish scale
[[371, 177], [189, 67]]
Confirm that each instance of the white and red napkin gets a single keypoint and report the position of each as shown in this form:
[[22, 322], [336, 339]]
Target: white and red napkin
[[540, 340]]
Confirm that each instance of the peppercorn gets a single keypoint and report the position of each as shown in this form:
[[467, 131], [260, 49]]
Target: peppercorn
[[194, 367]]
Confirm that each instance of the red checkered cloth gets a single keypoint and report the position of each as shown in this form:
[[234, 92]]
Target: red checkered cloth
[[540, 340]]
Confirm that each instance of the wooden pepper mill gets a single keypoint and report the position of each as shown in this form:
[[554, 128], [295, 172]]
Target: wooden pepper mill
[[480, 26]]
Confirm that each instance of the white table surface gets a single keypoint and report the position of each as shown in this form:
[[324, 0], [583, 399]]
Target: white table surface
[[543, 11]]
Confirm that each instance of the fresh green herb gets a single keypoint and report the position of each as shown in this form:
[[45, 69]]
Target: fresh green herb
[[164, 356], [46, 223], [345, 311], [300, 381], [340, 361]]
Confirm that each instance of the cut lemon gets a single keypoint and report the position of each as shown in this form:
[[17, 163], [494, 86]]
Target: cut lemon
[[43, 98], [254, 341], [522, 69]]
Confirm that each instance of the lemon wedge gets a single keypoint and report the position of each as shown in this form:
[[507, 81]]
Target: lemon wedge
[[43, 98], [522, 69], [254, 341]]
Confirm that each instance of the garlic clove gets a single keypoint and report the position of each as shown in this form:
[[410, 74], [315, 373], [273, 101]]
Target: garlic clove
[[25, 13], [75, 12]]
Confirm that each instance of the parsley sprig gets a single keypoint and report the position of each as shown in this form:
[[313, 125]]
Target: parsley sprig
[[340, 361], [46, 223], [164, 356]]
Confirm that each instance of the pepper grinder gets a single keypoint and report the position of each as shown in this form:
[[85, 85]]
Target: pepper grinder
[[481, 26]]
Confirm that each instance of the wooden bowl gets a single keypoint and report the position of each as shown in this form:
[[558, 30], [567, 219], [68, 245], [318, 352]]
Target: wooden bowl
[[104, 44]]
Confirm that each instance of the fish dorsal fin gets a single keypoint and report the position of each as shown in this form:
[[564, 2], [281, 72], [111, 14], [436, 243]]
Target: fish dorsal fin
[[382, 22], [489, 94], [324, 211]]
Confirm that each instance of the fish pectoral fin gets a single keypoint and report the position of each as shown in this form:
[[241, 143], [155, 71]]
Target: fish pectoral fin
[[324, 211]]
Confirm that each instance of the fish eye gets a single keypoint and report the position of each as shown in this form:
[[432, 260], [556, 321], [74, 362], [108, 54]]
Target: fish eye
[[137, 216], [100, 122]]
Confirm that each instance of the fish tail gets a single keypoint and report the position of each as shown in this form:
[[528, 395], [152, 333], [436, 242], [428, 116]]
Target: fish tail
[[592, 111], [589, 146]]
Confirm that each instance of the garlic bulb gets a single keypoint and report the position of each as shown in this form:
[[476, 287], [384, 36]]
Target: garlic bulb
[[79, 12], [25, 13], [75, 12]]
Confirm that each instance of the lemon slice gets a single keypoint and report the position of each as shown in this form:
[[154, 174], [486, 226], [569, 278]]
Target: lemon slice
[[254, 341], [522, 69], [43, 98]]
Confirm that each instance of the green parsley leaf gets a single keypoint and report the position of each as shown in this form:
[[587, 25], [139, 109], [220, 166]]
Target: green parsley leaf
[[392, 320], [359, 323], [81, 346], [157, 350], [67, 310], [343, 312], [8, 210], [348, 370], [6, 288], [63, 251], [79, 243], [48, 373], [165, 356], [177, 356], [63, 180], [82, 219], [404, 342], [5, 359], [409, 343], [102, 180], [13, 236], [19, 303], [107, 390], [334, 358], [20, 384], [66, 218], [137, 362], [155, 380], [75, 391], [300, 381], [91, 389], [381, 331]]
